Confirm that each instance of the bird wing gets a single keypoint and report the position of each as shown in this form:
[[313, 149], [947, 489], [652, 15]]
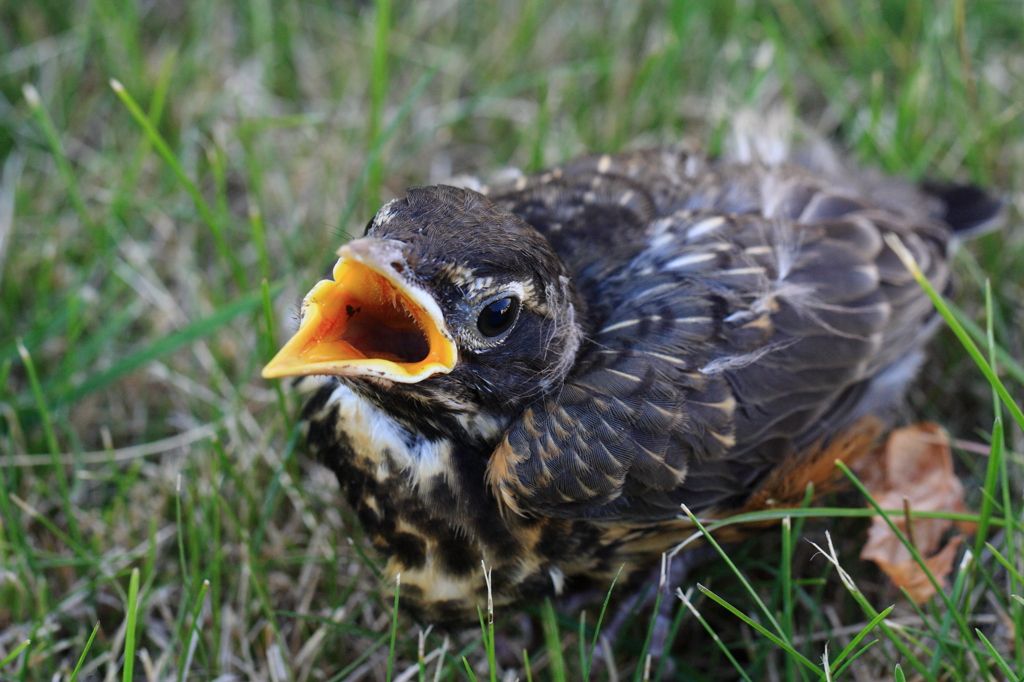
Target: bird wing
[[632, 417], [727, 342]]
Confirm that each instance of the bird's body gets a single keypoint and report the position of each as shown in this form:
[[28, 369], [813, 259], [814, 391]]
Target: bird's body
[[535, 380]]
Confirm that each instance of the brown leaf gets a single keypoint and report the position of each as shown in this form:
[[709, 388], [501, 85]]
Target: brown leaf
[[914, 468]]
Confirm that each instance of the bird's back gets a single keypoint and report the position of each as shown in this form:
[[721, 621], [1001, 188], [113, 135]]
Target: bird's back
[[739, 314]]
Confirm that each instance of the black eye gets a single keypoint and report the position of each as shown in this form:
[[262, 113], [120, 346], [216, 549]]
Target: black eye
[[497, 316]]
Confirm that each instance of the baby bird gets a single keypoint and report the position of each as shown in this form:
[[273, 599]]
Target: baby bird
[[534, 378]]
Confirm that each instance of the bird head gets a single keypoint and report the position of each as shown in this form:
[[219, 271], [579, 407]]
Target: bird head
[[448, 298]]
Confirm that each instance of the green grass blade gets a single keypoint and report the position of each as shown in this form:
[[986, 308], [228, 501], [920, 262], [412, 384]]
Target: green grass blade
[[51, 441], [14, 654], [79, 549], [168, 344], [1007, 564], [714, 636], [366, 559], [779, 642], [378, 98], [673, 631], [394, 627], [581, 640], [869, 610], [206, 213], [786, 588], [131, 627], [268, 317], [1011, 365], [643, 660], [918, 559], [69, 176], [44, 410], [156, 108], [377, 149], [361, 658], [958, 329], [552, 640], [736, 571], [259, 238], [469, 670], [192, 641], [992, 470], [848, 649], [85, 652], [600, 619], [180, 538], [998, 658], [838, 672], [274, 489]]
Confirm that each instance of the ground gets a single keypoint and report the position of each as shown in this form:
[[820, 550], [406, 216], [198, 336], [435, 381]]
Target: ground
[[158, 231]]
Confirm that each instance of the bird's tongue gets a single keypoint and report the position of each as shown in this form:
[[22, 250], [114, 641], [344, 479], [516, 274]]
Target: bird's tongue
[[365, 323]]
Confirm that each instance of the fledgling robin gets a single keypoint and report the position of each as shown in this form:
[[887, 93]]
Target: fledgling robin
[[538, 375]]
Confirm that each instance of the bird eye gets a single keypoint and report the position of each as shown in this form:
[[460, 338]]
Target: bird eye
[[497, 316]]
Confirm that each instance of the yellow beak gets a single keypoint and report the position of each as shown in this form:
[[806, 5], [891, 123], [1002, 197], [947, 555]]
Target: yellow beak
[[368, 321]]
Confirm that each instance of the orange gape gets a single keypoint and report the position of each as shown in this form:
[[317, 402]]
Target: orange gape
[[364, 322]]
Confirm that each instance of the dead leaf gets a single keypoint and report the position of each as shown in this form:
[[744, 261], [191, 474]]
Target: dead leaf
[[914, 468]]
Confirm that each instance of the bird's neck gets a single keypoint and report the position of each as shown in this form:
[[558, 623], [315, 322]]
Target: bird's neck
[[394, 434], [437, 416]]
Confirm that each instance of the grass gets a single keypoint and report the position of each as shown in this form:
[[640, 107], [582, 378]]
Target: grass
[[175, 176]]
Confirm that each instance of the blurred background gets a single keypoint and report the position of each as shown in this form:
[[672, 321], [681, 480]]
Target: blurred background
[[175, 175]]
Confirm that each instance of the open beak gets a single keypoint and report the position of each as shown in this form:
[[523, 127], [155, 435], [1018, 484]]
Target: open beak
[[368, 321]]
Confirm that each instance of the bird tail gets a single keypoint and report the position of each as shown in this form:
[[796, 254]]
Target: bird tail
[[969, 210]]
